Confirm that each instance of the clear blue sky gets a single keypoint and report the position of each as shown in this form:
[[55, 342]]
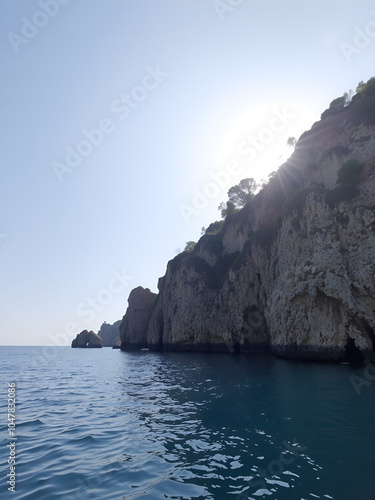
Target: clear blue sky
[[179, 89]]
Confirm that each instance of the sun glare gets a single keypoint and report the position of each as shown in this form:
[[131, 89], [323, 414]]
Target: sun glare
[[258, 138]]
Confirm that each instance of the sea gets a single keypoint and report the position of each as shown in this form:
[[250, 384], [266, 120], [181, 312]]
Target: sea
[[104, 424]]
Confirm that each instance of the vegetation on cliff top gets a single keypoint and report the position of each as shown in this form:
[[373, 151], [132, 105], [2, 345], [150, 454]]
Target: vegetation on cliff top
[[284, 194], [361, 106]]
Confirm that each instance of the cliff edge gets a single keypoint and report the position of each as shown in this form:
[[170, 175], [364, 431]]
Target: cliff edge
[[134, 325], [110, 334], [292, 272]]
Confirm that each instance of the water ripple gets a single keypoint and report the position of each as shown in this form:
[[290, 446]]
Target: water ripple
[[109, 425]]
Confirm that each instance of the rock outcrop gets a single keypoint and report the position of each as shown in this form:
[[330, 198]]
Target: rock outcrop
[[293, 272], [134, 326], [110, 334], [87, 339]]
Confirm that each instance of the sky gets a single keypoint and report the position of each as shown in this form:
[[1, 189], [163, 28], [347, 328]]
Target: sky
[[124, 124]]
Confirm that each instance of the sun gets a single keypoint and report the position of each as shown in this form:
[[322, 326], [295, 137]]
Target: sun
[[257, 138]]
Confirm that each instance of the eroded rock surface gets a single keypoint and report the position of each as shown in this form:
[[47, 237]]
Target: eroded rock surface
[[134, 326], [87, 339], [293, 273]]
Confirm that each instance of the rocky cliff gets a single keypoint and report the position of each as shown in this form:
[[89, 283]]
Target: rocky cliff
[[87, 339], [110, 334], [134, 325], [293, 272]]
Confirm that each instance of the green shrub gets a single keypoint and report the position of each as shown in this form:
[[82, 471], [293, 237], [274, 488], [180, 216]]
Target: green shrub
[[199, 265], [338, 150], [342, 219], [189, 247], [211, 242], [362, 108], [215, 227], [343, 192], [336, 106], [350, 172]]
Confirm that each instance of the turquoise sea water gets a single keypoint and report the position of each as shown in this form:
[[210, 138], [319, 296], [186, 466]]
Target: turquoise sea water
[[104, 424]]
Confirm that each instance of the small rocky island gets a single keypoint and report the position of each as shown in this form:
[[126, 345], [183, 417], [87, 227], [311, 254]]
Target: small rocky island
[[87, 339]]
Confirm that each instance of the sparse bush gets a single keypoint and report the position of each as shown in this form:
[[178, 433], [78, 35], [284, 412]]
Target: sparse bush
[[189, 247], [343, 192], [338, 150], [211, 242], [342, 219], [362, 107], [215, 227], [227, 209], [336, 106], [350, 172]]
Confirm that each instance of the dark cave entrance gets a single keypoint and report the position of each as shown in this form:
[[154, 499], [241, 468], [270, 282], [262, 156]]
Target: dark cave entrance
[[352, 352], [236, 348]]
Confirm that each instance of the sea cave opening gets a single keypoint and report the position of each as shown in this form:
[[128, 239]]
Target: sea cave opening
[[352, 353]]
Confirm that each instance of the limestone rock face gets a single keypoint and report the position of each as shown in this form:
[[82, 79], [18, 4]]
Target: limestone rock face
[[87, 339], [134, 325], [110, 334], [293, 273]]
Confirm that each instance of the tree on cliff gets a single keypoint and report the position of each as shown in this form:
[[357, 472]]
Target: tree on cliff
[[243, 193], [227, 209], [189, 247], [239, 196]]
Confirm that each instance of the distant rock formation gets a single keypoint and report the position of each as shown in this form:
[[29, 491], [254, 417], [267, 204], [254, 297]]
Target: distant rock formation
[[110, 334], [134, 326], [87, 339]]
